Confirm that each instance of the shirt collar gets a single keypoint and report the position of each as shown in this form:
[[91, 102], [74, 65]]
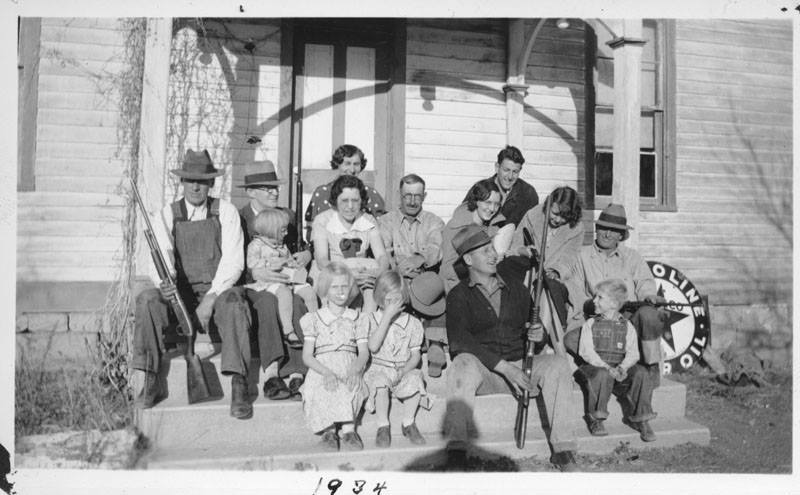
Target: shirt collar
[[598, 252], [327, 316], [404, 217], [500, 282], [401, 321], [192, 210], [335, 226]]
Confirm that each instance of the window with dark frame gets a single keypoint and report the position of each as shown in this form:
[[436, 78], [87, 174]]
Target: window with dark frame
[[656, 159]]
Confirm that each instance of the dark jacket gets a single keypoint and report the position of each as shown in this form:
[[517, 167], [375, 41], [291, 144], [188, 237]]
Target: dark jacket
[[473, 327], [521, 198]]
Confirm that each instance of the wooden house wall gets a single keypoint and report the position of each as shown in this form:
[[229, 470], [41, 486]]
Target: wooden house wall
[[69, 227], [732, 232], [223, 97]]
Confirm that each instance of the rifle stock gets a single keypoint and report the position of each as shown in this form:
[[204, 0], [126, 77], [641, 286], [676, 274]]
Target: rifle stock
[[523, 401]]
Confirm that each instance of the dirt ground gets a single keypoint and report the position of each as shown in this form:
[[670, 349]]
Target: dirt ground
[[751, 432]]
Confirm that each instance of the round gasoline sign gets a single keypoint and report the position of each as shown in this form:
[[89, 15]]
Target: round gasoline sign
[[688, 326]]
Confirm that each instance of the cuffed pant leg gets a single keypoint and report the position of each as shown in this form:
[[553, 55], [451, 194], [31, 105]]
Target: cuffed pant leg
[[268, 331], [599, 385], [232, 318], [641, 381], [553, 376], [294, 362], [151, 318]]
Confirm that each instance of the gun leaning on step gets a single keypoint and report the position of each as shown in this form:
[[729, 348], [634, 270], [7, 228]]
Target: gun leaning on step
[[523, 400], [196, 382]]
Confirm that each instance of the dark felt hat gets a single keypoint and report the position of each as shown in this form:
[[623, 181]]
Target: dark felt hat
[[470, 237], [261, 173], [613, 217], [197, 165], [426, 294]]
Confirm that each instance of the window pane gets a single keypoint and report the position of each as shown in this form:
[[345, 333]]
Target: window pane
[[604, 174], [647, 175]]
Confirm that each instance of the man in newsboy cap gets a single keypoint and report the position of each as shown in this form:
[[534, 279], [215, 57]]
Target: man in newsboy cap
[[203, 239], [487, 324]]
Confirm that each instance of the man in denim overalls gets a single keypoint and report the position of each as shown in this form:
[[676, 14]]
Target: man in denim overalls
[[203, 238]]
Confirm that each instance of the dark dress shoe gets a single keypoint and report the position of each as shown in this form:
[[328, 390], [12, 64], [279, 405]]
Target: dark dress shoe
[[351, 441], [384, 436], [565, 461], [646, 432], [294, 388], [330, 440], [596, 428], [151, 392], [241, 408], [275, 389], [412, 433]]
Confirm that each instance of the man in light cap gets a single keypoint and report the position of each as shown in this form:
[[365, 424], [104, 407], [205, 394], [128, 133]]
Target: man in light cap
[[487, 324], [607, 259], [203, 239]]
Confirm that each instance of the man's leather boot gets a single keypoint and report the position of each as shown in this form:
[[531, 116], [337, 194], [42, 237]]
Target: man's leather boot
[[241, 408]]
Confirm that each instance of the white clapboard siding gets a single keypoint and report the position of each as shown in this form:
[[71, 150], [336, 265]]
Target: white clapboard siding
[[70, 227], [732, 233]]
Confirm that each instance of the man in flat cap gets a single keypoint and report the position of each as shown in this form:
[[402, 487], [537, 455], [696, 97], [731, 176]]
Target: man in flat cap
[[203, 239], [487, 325]]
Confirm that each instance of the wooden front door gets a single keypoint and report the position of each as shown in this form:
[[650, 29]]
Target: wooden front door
[[342, 79]]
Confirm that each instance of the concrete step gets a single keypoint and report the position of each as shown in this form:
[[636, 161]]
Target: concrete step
[[302, 452], [173, 422]]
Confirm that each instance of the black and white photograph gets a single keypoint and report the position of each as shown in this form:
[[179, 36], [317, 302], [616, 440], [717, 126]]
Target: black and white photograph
[[399, 249]]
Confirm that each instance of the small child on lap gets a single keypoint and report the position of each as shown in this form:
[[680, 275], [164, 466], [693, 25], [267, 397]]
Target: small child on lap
[[268, 250], [395, 339], [609, 346]]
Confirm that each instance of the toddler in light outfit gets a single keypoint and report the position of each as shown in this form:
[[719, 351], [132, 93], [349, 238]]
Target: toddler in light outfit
[[267, 250]]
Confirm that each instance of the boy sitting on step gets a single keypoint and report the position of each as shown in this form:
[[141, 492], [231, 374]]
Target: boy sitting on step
[[395, 338], [609, 346]]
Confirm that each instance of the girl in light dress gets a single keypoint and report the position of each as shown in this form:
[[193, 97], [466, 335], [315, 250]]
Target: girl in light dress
[[336, 352], [267, 250], [395, 338]]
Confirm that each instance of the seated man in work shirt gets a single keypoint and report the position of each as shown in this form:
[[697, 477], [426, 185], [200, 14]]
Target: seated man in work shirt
[[486, 325]]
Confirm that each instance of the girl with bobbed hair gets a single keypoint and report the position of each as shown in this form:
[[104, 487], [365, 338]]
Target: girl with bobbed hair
[[564, 240], [348, 234]]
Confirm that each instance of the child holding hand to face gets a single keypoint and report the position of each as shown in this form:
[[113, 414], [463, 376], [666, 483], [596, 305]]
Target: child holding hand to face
[[610, 348], [267, 250], [394, 340], [335, 351]]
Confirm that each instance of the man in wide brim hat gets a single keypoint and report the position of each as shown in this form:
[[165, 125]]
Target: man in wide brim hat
[[207, 250], [197, 165], [278, 360], [613, 217], [487, 324]]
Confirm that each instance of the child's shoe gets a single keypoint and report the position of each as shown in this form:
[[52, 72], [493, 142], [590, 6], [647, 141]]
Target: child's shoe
[[412, 433], [384, 436], [596, 428], [330, 440], [351, 441]]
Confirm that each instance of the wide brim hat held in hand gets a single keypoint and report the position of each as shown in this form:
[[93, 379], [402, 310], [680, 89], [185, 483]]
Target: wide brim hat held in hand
[[197, 166], [613, 217], [426, 294]]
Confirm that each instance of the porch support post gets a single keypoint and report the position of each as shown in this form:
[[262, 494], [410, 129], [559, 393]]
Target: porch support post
[[627, 120], [153, 126], [515, 87]]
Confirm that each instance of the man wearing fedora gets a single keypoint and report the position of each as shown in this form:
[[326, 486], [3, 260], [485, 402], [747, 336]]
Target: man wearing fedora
[[203, 239], [278, 359], [487, 324], [606, 258], [413, 239]]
